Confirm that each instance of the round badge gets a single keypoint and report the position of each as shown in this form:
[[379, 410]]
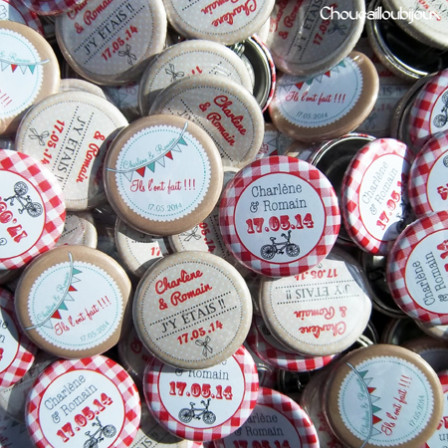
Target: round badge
[[83, 402], [16, 12], [321, 311], [73, 301], [163, 175], [224, 109], [218, 21], [32, 211], [383, 395], [79, 229], [265, 346], [16, 351], [428, 189], [192, 310], [53, 7], [111, 42], [429, 112], [13, 433], [279, 216], [203, 404], [417, 267], [274, 415], [29, 72], [309, 38], [69, 133], [78, 84], [327, 105], [374, 194]]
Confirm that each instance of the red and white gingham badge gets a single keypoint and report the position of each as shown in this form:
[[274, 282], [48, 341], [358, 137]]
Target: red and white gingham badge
[[279, 216], [203, 404], [277, 419], [374, 194], [428, 186], [17, 353], [261, 341], [89, 402], [429, 111], [417, 269], [51, 7], [32, 211], [15, 11]]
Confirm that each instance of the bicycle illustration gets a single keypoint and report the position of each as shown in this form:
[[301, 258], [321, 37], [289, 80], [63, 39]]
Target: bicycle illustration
[[268, 251], [440, 120], [34, 209], [97, 436], [186, 414]]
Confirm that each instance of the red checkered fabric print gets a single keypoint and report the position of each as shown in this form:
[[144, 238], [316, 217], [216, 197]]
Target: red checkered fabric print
[[279, 358], [30, 18], [154, 375], [397, 262], [51, 7], [104, 366], [279, 164], [52, 198], [421, 112], [421, 168], [26, 350]]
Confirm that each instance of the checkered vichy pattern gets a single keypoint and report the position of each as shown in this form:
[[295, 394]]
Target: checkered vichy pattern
[[351, 186], [103, 365], [279, 358], [26, 350], [288, 408], [397, 260], [279, 164], [154, 376], [30, 17], [443, 377], [421, 111], [421, 168], [52, 197], [51, 7]]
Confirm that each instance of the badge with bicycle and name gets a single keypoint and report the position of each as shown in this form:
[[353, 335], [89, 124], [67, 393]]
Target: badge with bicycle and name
[[279, 216]]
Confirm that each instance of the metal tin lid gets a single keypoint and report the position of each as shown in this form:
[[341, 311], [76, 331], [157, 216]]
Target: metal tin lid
[[327, 105], [137, 250], [125, 97], [416, 269], [52, 7], [275, 143], [17, 12], [75, 84], [79, 229], [192, 310], [398, 331], [82, 402], [428, 190], [111, 43], [428, 24], [221, 22], [383, 395], [69, 133], [429, 112], [73, 301], [189, 58], [29, 72], [27, 186], [264, 345], [16, 351], [321, 311], [173, 160], [203, 404], [309, 38], [279, 216], [433, 351], [226, 110], [374, 194], [434, 331], [275, 412]]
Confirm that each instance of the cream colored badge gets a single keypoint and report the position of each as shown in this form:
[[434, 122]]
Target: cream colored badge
[[69, 133], [192, 310], [79, 229], [226, 110], [188, 58], [225, 22], [110, 42], [29, 72], [163, 175]]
